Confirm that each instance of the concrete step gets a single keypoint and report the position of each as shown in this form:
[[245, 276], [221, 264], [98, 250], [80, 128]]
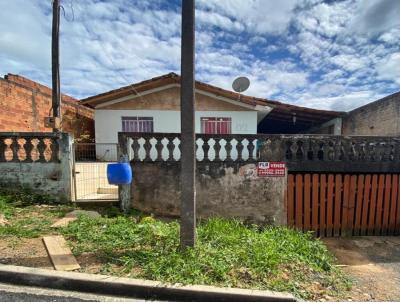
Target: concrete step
[[90, 203], [107, 190]]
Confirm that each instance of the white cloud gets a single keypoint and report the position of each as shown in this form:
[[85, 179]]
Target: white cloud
[[258, 16], [104, 47], [391, 37], [257, 40], [349, 62], [327, 19], [333, 55], [376, 16], [24, 33], [271, 48], [389, 69], [215, 19], [342, 102]]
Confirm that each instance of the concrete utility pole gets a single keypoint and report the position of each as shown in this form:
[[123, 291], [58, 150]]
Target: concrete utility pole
[[188, 136], [55, 65]]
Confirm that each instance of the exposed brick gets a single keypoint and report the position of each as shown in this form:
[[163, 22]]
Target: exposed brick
[[24, 104], [381, 117]]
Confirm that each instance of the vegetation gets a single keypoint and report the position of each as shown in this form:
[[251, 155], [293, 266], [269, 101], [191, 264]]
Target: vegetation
[[228, 252], [29, 215]]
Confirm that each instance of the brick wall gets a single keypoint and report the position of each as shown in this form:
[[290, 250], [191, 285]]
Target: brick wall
[[381, 117], [24, 104]]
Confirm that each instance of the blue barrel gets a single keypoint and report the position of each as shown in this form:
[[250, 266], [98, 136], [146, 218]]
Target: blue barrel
[[119, 174]]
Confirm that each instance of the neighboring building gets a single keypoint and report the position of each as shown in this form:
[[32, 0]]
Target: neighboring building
[[154, 106], [24, 104], [381, 117]]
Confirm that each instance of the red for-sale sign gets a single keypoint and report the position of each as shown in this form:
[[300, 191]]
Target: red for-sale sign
[[273, 169]]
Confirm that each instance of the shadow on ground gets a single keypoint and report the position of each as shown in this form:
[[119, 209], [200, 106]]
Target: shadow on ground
[[374, 264]]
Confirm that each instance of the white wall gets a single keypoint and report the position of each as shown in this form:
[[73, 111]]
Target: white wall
[[108, 122], [91, 181]]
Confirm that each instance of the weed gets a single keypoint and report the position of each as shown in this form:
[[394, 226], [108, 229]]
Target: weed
[[24, 197], [26, 217], [227, 253]]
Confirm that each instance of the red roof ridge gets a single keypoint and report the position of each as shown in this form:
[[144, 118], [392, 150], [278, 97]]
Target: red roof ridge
[[171, 78]]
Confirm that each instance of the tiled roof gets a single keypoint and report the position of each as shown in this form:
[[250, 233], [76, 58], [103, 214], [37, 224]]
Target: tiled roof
[[280, 110]]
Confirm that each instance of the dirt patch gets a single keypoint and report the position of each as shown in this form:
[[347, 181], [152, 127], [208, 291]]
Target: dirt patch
[[373, 263], [89, 264], [3, 220], [31, 252], [24, 252]]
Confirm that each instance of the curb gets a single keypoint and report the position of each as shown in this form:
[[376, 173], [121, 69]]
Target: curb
[[133, 288]]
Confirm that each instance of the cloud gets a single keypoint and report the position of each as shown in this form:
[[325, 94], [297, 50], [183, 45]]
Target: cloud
[[391, 37], [341, 102], [218, 20], [328, 20], [390, 68], [349, 62], [256, 15], [24, 35], [376, 16], [332, 55]]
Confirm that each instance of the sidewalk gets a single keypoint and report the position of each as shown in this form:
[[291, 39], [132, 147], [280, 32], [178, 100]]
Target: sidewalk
[[132, 288]]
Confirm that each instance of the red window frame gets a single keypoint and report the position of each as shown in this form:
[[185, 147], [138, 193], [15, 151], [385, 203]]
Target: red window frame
[[137, 124], [216, 125]]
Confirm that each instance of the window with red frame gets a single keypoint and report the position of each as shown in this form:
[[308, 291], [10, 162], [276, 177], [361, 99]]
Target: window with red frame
[[216, 125]]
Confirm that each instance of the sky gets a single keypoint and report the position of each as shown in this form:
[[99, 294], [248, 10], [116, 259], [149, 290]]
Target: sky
[[333, 55]]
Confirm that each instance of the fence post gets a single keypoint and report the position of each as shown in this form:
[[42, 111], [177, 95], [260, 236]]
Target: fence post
[[124, 191], [273, 149], [65, 156]]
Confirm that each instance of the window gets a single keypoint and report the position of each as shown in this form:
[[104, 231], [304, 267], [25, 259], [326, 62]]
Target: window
[[137, 124], [216, 125]]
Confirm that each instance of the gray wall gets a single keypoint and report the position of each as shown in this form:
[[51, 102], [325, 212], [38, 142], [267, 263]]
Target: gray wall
[[381, 117], [230, 189], [51, 177]]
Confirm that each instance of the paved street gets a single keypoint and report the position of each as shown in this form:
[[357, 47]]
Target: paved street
[[11, 293]]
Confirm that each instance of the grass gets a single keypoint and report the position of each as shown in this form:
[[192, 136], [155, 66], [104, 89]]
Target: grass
[[227, 253], [29, 215]]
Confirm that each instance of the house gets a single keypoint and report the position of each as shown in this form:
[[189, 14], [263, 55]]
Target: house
[[154, 106]]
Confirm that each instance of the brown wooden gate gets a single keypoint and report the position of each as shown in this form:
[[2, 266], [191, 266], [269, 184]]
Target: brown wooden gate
[[344, 204]]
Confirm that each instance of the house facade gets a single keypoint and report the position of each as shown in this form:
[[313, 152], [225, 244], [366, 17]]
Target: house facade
[[154, 106], [159, 111]]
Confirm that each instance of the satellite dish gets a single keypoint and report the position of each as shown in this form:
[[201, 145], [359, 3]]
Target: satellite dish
[[241, 84]]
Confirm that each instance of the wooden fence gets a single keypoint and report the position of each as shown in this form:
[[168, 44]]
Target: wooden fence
[[344, 204], [337, 185]]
